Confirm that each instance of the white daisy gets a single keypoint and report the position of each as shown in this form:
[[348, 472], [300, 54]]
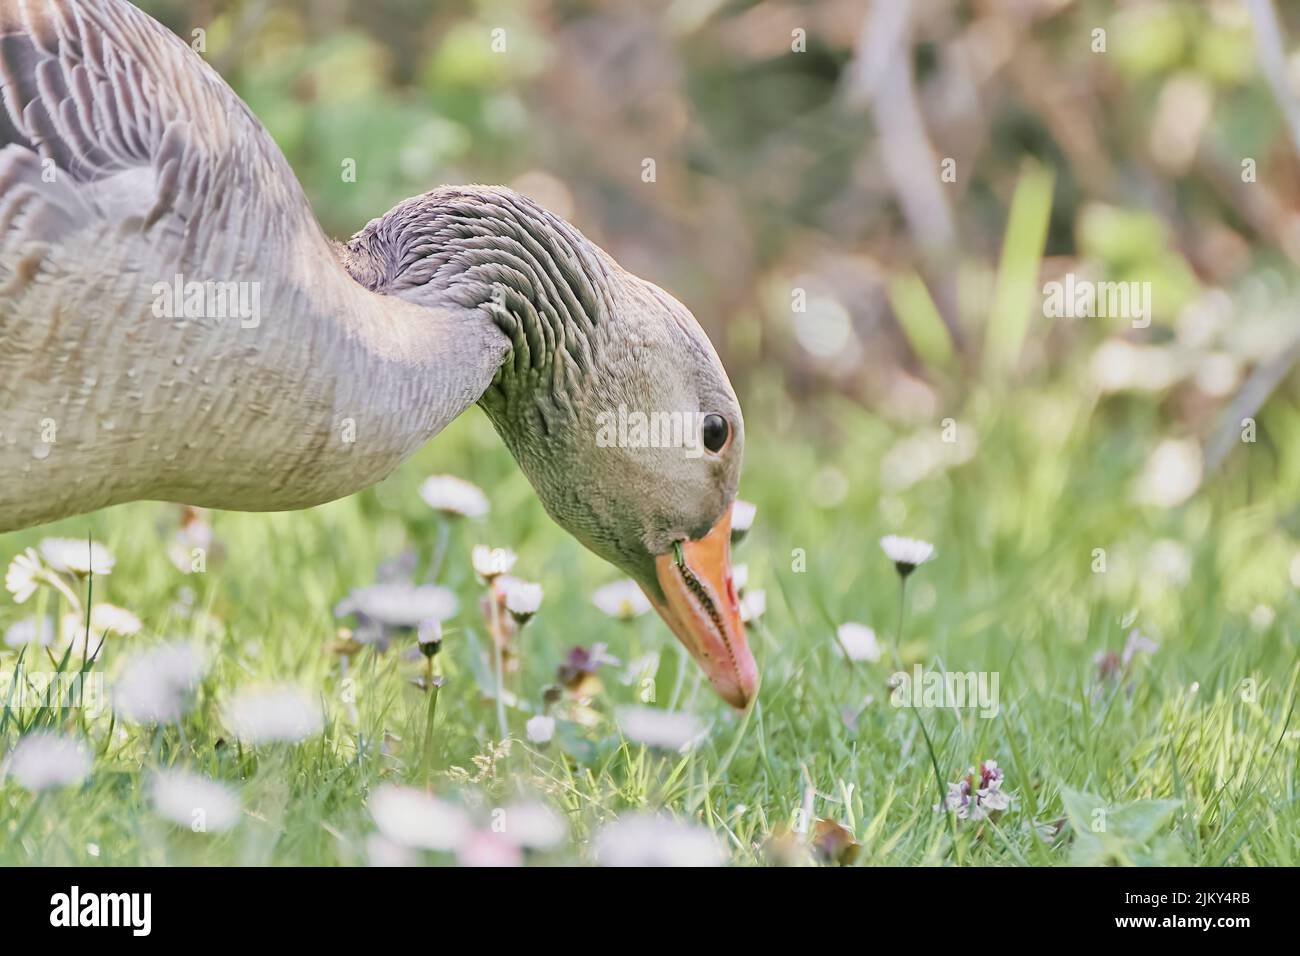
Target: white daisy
[[157, 686], [274, 714], [523, 599], [47, 761], [667, 729], [77, 557], [742, 518], [381, 851], [417, 819], [454, 496], [858, 642], [753, 605], [740, 577], [104, 619], [621, 599], [534, 825], [491, 563], [191, 800], [428, 638], [906, 553], [649, 839], [540, 729], [399, 605], [114, 619], [30, 630], [488, 848], [24, 575]]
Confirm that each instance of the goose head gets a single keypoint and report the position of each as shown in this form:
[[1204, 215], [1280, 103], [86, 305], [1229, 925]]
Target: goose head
[[610, 397]]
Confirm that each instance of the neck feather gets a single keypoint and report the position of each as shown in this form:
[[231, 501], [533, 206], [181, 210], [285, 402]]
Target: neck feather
[[488, 249]]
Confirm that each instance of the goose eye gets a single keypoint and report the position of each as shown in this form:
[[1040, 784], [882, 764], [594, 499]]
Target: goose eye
[[715, 432]]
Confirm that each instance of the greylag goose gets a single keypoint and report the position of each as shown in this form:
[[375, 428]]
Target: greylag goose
[[176, 326]]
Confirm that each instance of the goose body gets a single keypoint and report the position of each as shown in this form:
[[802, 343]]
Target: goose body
[[175, 325]]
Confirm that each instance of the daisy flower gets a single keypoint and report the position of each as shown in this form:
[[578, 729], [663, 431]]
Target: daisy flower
[[533, 825], [753, 605], [30, 630], [623, 600], [858, 642], [488, 848], [399, 605], [104, 619], [906, 553], [491, 563], [416, 819], [77, 557], [48, 761], [740, 577], [157, 686], [454, 496], [428, 638], [381, 851], [191, 800], [742, 519], [274, 714], [24, 575], [540, 729], [666, 729], [649, 839], [523, 599]]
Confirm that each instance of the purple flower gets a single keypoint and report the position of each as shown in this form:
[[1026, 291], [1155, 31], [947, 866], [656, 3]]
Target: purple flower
[[978, 794], [582, 662]]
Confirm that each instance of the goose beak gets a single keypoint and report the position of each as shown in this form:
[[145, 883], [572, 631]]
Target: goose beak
[[700, 605]]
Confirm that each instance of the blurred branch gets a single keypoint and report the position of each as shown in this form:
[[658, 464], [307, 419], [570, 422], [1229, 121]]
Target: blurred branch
[[1266, 377], [881, 75], [1272, 60], [1247, 402]]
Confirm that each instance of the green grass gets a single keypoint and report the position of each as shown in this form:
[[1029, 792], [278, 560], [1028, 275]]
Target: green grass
[[1207, 721]]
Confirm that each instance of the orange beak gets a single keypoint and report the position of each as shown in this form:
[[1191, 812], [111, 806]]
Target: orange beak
[[701, 607]]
